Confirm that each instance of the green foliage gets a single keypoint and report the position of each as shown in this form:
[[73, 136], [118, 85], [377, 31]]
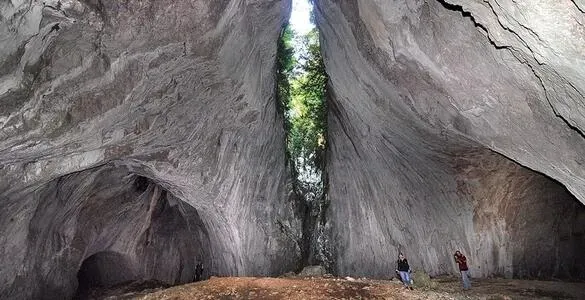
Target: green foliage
[[285, 65], [308, 112], [301, 91]]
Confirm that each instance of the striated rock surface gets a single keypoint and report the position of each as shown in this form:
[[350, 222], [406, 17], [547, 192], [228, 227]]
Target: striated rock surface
[[455, 125], [137, 137]]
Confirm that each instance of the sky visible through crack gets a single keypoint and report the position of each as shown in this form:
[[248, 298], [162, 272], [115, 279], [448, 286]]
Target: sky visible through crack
[[300, 23], [305, 111], [306, 119], [300, 17]]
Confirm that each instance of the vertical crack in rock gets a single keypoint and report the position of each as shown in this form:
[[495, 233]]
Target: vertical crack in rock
[[135, 140], [508, 29], [466, 14], [301, 86]]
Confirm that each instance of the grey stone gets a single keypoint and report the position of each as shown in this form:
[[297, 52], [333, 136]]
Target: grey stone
[[137, 137], [288, 275], [454, 125], [96, 94], [313, 271]]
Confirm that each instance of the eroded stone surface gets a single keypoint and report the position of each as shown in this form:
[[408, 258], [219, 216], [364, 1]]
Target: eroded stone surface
[[122, 227], [179, 92], [138, 136], [421, 100]]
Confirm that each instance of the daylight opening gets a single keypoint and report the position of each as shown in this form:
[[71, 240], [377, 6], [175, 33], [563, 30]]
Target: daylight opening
[[302, 93]]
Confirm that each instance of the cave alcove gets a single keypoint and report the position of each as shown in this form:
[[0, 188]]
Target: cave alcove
[[111, 225], [103, 269]]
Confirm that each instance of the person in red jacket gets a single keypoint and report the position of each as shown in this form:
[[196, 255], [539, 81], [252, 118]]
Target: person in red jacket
[[461, 260]]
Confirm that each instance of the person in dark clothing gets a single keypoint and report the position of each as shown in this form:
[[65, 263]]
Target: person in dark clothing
[[461, 260], [404, 270], [198, 271]]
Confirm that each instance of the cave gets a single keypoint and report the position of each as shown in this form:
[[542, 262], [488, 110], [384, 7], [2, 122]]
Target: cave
[[103, 269], [444, 144], [108, 225], [139, 137]]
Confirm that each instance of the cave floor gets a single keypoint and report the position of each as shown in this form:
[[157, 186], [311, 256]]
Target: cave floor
[[336, 288]]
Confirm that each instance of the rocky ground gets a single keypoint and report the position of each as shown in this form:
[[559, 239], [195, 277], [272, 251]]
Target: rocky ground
[[349, 288]]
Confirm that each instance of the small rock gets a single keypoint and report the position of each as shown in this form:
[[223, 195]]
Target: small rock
[[288, 274], [313, 271]]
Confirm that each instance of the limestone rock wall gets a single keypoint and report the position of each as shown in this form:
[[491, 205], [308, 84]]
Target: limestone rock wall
[[94, 93], [139, 136], [434, 105], [104, 210]]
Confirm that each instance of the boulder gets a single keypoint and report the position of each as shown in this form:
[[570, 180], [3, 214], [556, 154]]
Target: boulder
[[314, 271]]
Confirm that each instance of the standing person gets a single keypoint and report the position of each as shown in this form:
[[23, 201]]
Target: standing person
[[461, 260], [198, 270], [404, 270]]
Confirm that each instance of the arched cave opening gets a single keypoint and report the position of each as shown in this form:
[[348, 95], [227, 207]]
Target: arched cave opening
[[398, 177], [509, 220], [102, 270], [109, 225], [527, 225]]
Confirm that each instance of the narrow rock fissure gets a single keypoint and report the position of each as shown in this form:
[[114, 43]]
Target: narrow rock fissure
[[467, 14], [301, 81], [508, 29], [578, 7], [141, 145], [556, 113]]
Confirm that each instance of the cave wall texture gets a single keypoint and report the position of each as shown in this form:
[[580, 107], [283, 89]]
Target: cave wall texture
[[143, 135], [444, 116], [139, 136]]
